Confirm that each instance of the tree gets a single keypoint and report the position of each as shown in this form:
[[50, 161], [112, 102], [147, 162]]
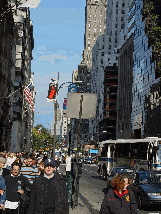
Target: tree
[[153, 31], [43, 139]]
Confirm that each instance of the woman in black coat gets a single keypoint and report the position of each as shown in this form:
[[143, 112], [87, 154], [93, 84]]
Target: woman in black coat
[[119, 199]]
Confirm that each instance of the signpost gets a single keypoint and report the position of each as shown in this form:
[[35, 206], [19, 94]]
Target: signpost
[[80, 106]]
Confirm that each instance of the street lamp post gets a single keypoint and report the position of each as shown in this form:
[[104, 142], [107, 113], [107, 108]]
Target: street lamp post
[[77, 155]]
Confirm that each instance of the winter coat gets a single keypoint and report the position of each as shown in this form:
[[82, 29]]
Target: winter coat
[[5, 172], [11, 191], [114, 204], [37, 196], [3, 186]]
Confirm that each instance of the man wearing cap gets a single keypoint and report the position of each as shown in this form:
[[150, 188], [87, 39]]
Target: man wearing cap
[[49, 193]]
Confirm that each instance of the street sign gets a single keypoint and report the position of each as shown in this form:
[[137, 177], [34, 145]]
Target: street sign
[[72, 88], [88, 105]]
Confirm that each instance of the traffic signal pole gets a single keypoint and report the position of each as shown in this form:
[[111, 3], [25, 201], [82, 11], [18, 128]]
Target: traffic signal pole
[[55, 122]]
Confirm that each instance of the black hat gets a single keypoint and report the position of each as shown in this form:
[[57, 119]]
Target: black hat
[[50, 161]]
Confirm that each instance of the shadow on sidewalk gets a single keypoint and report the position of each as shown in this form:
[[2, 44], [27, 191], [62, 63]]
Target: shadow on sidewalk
[[88, 205], [96, 177]]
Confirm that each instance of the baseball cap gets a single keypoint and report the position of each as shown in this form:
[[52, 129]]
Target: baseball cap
[[49, 161]]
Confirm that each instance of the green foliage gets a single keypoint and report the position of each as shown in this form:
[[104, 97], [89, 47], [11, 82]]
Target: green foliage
[[41, 140], [153, 31]]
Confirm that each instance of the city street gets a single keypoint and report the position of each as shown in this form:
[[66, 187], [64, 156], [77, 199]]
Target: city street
[[92, 189]]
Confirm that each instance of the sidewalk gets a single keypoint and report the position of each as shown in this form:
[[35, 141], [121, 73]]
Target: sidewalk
[[80, 209]]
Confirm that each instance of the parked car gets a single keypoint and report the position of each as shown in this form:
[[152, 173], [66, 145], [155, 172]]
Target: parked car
[[118, 170], [147, 188]]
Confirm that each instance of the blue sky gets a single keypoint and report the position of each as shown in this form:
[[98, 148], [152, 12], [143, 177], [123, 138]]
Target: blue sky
[[58, 28]]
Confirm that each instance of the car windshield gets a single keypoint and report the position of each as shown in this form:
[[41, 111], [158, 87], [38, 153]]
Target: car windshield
[[118, 170], [155, 178], [147, 178]]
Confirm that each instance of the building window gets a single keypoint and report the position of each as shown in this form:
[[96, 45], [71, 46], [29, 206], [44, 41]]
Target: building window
[[109, 39], [103, 47], [101, 61], [116, 11], [103, 53], [117, 4], [122, 18], [122, 11], [109, 47], [122, 26], [115, 25], [123, 4]]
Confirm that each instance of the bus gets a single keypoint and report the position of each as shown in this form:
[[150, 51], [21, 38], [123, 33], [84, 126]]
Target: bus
[[137, 153]]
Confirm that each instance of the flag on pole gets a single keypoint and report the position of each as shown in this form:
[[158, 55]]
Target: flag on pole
[[39, 130], [29, 3], [28, 91]]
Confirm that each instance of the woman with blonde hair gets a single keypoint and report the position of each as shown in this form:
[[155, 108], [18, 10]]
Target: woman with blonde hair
[[119, 199]]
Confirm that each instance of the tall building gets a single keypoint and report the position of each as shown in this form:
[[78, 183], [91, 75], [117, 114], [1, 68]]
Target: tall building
[[116, 16], [7, 74], [16, 44], [95, 22], [139, 82], [105, 53]]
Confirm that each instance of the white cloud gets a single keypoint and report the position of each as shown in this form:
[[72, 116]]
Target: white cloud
[[50, 58]]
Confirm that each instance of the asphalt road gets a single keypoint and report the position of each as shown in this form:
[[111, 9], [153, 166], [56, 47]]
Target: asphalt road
[[92, 190]]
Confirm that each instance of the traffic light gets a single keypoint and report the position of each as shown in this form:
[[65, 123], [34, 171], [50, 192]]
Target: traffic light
[[53, 89]]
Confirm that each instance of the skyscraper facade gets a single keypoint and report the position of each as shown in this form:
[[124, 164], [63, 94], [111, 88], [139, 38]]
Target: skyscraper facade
[[95, 24]]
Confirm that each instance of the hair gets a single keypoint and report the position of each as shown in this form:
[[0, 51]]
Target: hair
[[2, 160], [18, 159], [118, 181], [15, 164], [29, 157]]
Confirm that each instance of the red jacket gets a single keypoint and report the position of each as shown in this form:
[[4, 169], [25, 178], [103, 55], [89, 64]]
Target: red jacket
[[114, 204]]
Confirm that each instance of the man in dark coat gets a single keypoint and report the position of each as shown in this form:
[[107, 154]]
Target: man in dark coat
[[17, 188], [49, 193]]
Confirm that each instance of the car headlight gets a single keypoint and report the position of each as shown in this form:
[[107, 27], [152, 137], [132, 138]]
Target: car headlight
[[154, 193]]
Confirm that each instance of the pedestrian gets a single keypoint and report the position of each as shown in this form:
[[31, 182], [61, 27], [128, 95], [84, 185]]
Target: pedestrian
[[119, 199], [49, 193], [3, 171], [41, 167], [10, 160], [2, 193], [30, 171], [17, 191], [18, 159], [24, 163]]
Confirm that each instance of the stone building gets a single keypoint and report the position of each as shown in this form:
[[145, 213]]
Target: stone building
[[7, 61], [17, 42], [95, 22]]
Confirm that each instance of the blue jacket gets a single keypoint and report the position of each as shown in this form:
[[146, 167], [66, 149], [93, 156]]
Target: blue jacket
[[2, 186]]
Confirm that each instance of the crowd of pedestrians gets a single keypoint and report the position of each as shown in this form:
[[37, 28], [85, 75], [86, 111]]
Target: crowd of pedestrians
[[30, 184]]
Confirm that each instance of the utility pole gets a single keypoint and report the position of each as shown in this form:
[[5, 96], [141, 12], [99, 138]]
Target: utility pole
[[55, 122], [77, 155]]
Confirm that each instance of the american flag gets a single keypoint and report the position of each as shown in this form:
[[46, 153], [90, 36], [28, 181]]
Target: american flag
[[39, 130], [29, 95]]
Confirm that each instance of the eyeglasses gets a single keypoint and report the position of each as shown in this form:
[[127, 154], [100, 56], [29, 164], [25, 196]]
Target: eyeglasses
[[16, 170]]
